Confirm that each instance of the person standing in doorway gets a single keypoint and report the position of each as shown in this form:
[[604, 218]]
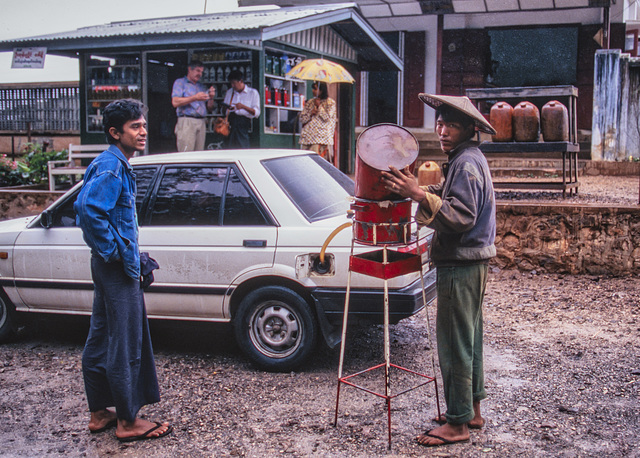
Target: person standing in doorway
[[462, 211], [318, 119], [117, 363], [244, 105], [192, 101]]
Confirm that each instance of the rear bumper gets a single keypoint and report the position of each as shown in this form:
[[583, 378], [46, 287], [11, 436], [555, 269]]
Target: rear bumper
[[369, 303]]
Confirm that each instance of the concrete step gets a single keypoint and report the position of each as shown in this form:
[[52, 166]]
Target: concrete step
[[530, 172]]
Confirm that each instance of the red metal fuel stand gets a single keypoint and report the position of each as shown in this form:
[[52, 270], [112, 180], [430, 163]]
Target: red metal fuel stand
[[383, 219]]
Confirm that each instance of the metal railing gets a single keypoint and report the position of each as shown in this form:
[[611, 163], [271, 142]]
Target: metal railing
[[43, 108]]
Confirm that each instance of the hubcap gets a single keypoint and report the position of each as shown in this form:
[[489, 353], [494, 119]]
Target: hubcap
[[275, 330]]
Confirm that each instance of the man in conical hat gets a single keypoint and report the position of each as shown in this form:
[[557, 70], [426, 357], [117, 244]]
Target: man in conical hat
[[461, 210]]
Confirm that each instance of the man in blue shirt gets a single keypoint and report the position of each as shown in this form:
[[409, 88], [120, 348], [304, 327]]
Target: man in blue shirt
[[117, 363], [192, 101]]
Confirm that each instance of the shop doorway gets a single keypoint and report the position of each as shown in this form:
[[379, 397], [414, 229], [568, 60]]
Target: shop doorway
[[163, 68], [342, 94]]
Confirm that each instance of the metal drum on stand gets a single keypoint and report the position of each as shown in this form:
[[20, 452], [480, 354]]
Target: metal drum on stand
[[382, 222], [382, 217]]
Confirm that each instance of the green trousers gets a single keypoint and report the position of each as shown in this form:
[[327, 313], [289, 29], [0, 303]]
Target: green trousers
[[459, 335]]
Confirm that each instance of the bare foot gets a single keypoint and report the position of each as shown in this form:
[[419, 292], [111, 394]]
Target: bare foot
[[477, 422], [443, 435], [140, 429], [102, 420]]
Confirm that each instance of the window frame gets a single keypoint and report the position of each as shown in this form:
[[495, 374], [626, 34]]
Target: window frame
[[145, 219]]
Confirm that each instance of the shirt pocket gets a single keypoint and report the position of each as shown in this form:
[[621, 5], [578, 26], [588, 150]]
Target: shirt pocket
[[126, 216]]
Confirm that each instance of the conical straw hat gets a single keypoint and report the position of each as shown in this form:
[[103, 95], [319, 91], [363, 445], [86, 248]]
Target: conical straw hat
[[459, 103]]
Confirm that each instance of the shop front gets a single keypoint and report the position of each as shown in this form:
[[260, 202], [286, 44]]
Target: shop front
[[142, 59]]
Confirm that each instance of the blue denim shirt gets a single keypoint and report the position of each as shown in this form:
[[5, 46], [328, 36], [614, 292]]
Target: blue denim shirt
[[106, 210]]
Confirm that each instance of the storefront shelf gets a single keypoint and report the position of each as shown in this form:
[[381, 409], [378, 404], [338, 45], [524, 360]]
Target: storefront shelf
[[283, 107]]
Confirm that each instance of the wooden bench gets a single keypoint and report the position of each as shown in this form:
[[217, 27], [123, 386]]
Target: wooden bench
[[73, 166]]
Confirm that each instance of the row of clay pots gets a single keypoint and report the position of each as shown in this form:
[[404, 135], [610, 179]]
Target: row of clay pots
[[523, 123]]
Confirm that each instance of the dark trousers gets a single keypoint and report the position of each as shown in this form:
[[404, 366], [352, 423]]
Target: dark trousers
[[239, 136], [459, 335], [117, 363]]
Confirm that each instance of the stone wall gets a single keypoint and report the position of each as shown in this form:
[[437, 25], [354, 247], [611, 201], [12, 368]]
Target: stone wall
[[569, 239], [18, 202]]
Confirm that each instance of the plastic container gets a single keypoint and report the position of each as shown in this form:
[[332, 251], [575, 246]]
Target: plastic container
[[501, 118], [554, 122], [526, 122], [429, 173]]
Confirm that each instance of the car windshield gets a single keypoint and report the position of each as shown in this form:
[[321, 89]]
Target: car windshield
[[317, 188]]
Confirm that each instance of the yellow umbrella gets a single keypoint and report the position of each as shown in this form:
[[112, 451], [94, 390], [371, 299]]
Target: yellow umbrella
[[321, 70]]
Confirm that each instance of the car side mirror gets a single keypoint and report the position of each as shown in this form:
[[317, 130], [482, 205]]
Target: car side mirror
[[46, 219]]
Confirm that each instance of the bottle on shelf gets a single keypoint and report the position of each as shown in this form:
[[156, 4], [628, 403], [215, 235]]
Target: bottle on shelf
[[285, 97], [268, 64], [276, 66], [296, 100], [276, 97], [267, 95], [227, 70], [220, 74]]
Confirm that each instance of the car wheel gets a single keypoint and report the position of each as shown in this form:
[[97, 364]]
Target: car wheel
[[7, 322], [276, 328]]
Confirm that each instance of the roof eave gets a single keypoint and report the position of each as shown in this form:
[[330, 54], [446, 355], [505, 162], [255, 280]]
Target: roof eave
[[334, 17]]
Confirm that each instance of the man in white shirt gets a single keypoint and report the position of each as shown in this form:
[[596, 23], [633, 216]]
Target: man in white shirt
[[244, 105]]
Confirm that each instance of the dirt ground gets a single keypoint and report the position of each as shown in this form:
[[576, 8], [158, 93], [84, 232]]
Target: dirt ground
[[562, 365], [562, 374]]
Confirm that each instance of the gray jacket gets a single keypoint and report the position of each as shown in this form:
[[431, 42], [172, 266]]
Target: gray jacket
[[466, 223]]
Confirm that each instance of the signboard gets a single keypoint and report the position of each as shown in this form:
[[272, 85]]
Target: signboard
[[28, 57]]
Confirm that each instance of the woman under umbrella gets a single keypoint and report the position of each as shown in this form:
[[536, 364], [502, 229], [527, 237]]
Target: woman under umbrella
[[318, 119]]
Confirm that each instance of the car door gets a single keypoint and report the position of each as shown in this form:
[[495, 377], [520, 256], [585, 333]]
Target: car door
[[52, 265], [204, 226]]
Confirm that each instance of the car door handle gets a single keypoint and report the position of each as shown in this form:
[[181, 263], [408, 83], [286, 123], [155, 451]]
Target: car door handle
[[254, 243]]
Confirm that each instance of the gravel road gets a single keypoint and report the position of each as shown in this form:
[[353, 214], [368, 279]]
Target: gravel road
[[562, 369]]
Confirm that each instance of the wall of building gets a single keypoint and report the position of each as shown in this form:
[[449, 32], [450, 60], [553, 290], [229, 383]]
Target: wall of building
[[616, 108], [466, 63]]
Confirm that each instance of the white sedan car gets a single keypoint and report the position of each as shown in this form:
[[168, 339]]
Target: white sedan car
[[238, 236]]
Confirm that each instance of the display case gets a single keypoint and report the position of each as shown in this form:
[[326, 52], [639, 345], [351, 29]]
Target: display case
[[283, 97], [109, 79], [218, 63]]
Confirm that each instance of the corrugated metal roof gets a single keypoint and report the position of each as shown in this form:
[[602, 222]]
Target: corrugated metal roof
[[236, 27], [217, 22]]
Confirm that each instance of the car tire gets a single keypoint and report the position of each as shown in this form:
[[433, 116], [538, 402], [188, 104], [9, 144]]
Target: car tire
[[7, 319], [276, 328]]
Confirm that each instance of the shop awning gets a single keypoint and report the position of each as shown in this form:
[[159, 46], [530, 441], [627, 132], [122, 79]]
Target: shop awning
[[238, 27]]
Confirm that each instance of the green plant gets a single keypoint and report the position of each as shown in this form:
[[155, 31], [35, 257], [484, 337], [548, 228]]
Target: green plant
[[37, 160], [13, 173]]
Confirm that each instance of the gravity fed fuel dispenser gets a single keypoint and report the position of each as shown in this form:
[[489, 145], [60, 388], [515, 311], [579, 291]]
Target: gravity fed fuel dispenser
[[384, 219]]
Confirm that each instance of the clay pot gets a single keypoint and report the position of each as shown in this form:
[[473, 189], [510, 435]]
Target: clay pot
[[526, 122], [554, 121], [501, 118]]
